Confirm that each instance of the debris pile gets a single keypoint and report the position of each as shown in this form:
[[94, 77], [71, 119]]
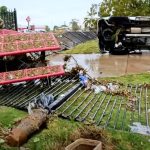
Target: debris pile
[[113, 88], [42, 102], [137, 127], [131, 104]]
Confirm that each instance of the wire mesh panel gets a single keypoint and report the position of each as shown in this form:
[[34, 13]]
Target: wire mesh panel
[[9, 18]]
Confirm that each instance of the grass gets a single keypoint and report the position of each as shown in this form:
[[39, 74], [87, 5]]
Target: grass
[[8, 116], [84, 48], [60, 132], [129, 141], [130, 79]]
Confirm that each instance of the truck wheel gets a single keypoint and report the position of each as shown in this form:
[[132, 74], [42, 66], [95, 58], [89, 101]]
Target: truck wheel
[[107, 35], [119, 51]]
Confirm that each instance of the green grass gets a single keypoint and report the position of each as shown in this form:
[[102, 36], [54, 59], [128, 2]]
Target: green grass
[[129, 141], [84, 48], [133, 79], [59, 133], [55, 136], [8, 116]]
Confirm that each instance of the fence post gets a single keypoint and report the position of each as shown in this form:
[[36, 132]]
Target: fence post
[[15, 17]]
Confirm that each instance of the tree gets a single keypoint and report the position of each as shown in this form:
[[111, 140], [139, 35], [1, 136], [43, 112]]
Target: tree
[[47, 28], [75, 25], [90, 22], [1, 23], [125, 8], [3, 9], [8, 17]]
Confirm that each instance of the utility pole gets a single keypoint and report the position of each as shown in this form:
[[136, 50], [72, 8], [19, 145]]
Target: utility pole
[[28, 19]]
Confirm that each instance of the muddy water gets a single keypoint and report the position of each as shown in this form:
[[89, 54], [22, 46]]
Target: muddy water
[[107, 65]]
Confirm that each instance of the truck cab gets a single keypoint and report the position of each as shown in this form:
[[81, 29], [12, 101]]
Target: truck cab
[[122, 35]]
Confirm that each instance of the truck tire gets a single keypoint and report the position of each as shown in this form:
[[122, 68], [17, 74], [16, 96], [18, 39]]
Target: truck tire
[[119, 51], [107, 35]]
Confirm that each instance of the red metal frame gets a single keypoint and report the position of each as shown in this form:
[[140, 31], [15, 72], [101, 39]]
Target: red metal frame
[[16, 42], [5, 31], [26, 77]]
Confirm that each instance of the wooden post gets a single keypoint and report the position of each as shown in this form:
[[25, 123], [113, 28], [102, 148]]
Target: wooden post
[[19, 134]]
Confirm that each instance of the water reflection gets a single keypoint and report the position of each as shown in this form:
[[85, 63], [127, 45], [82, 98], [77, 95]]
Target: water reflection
[[107, 65]]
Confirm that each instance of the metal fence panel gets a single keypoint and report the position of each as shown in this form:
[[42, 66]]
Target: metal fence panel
[[10, 19]]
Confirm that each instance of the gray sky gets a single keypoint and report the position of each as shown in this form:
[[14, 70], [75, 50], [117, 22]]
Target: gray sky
[[49, 12]]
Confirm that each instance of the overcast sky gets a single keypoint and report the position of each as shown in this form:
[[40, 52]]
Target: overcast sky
[[49, 12]]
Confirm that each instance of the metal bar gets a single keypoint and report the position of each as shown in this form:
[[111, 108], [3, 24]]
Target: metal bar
[[79, 104], [125, 111], [137, 35], [123, 118], [132, 115], [139, 106], [16, 94], [117, 114], [20, 94], [64, 85], [31, 98], [111, 112], [81, 111], [15, 90], [146, 110], [49, 88], [60, 100], [30, 93], [73, 101], [88, 112], [68, 99], [27, 95], [64, 88], [94, 115], [104, 111]]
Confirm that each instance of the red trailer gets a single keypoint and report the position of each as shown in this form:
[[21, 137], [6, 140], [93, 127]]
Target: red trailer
[[22, 56]]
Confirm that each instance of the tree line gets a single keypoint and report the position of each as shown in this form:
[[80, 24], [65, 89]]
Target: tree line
[[116, 8], [106, 8]]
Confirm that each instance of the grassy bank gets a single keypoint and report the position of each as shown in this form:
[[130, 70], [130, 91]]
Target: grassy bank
[[84, 48], [59, 133], [130, 79]]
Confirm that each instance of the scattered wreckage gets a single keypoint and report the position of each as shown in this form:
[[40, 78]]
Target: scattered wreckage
[[122, 35], [90, 101]]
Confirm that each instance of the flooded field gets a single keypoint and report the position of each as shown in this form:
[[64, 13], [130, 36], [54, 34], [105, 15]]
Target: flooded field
[[107, 65]]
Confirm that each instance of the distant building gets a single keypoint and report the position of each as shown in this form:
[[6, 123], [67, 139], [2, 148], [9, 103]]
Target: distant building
[[61, 29], [32, 28]]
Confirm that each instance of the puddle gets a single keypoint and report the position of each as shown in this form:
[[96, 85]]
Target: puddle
[[107, 65]]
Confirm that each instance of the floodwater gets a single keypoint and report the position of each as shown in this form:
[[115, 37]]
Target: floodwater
[[106, 65]]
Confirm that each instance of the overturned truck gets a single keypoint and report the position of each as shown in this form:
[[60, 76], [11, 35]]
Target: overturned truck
[[122, 35]]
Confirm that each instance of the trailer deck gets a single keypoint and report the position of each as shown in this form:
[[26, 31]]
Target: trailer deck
[[14, 43]]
